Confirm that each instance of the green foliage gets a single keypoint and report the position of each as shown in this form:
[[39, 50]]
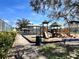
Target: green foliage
[[68, 10], [6, 41], [22, 23], [54, 51]]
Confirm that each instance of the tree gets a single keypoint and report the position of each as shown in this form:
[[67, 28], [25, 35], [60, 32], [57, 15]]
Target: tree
[[67, 9], [57, 9], [22, 23]]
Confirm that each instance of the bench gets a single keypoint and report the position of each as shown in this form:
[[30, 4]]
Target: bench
[[71, 40]]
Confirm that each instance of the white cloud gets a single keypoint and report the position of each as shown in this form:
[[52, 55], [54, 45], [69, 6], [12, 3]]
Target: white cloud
[[11, 22], [7, 21]]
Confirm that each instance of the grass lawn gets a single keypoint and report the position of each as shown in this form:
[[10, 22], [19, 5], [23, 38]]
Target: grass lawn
[[54, 51]]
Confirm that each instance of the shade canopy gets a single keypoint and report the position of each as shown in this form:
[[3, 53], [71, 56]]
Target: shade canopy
[[77, 22], [45, 22], [55, 24]]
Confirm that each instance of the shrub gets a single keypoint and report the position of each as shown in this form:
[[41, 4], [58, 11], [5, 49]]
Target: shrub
[[6, 41]]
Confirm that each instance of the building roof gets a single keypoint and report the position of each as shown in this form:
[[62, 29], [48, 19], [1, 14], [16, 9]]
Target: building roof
[[25, 29], [73, 21], [31, 25]]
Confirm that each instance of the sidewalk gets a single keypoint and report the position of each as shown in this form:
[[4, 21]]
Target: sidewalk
[[22, 49], [20, 41]]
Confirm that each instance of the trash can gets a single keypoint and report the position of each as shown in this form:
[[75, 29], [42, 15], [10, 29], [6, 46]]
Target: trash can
[[38, 40]]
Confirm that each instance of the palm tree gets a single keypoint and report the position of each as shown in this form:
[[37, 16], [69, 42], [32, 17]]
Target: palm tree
[[22, 23]]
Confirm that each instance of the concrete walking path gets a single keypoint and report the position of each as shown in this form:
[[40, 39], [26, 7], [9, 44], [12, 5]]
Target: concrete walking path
[[22, 49], [20, 41]]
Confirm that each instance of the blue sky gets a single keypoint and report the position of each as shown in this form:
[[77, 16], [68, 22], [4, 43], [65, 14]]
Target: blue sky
[[11, 10]]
